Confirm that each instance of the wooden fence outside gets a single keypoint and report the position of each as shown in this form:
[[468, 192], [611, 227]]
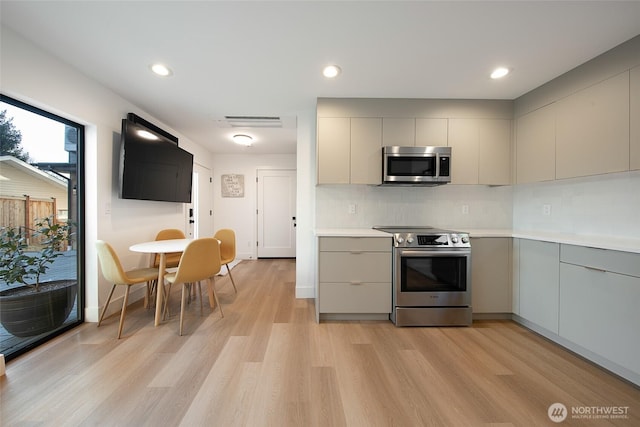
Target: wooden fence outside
[[24, 213]]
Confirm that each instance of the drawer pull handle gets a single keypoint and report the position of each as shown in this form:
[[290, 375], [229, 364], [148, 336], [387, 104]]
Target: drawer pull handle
[[356, 282], [599, 270], [355, 252]]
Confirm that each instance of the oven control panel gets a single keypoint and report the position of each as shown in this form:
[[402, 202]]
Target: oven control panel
[[431, 240]]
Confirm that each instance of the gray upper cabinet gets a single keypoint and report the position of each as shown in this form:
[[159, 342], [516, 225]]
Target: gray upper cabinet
[[334, 150], [419, 132], [494, 157], [634, 104], [592, 130], [349, 150], [481, 151], [398, 131], [352, 132], [536, 146], [366, 151], [431, 132], [464, 143]]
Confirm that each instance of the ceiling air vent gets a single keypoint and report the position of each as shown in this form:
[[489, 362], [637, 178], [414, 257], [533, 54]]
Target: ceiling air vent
[[250, 122]]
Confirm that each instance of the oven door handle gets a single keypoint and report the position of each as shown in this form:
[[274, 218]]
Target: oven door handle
[[432, 253]]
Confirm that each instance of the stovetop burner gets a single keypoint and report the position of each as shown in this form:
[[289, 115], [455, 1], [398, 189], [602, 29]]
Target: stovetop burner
[[425, 237]]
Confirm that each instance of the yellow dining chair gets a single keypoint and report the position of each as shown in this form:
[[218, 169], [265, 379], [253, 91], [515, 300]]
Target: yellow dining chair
[[227, 238], [112, 271], [171, 259], [200, 261]]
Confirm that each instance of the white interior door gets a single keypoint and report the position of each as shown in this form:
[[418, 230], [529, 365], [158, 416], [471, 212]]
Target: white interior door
[[276, 213], [199, 213]]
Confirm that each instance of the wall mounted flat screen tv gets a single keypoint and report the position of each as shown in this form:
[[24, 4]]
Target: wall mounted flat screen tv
[[152, 166]]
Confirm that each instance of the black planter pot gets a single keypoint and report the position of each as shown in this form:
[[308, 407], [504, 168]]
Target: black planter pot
[[25, 312]]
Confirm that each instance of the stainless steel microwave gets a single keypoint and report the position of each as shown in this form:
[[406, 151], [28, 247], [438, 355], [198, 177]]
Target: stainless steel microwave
[[416, 165]]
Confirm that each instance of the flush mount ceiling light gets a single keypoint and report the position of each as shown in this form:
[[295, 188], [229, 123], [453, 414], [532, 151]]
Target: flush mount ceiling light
[[331, 71], [499, 73], [243, 139], [161, 70]]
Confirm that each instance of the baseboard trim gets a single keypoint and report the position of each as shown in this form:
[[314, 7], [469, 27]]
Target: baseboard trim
[[612, 367]]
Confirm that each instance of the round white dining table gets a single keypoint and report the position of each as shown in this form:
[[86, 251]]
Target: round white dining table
[[161, 247]]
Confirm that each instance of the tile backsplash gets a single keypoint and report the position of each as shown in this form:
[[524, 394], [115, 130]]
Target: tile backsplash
[[448, 206], [605, 205]]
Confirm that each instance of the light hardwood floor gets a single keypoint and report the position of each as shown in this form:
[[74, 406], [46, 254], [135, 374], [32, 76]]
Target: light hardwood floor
[[267, 362]]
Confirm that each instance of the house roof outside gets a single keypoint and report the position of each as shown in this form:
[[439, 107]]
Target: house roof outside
[[18, 178]]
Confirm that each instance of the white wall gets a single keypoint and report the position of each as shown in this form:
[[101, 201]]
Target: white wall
[[239, 213], [37, 78]]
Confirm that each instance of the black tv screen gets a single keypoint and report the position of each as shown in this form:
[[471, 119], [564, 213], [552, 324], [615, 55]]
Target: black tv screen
[[152, 166]]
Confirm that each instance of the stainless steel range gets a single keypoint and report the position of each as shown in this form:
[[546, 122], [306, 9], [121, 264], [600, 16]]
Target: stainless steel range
[[431, 276]]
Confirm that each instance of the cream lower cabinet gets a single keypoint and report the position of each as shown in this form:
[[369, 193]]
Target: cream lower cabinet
[[354, 278], [599, 303], [491, 275]]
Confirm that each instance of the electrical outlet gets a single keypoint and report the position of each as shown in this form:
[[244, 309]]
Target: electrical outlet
[[546, 210], [465, 209], [352, 208]]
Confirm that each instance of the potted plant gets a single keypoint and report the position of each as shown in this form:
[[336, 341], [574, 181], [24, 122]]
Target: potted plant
[[34, 306]]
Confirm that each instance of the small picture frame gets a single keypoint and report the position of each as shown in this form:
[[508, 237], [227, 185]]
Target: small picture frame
[[232, 185]]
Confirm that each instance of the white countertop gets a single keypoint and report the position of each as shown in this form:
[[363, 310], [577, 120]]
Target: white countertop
[[594, 241], [350, 232]]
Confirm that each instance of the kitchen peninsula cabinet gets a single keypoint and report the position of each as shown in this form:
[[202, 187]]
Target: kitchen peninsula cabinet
[[599, 297], [592, 129], [491, 275], [634, 105], [354, 275]]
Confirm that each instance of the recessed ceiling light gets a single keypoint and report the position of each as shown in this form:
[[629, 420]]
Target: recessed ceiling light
[[331, 71], [499, 73], [243, 139], [161, 70]]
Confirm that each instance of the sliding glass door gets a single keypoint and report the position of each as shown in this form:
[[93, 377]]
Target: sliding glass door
[[41, 226]]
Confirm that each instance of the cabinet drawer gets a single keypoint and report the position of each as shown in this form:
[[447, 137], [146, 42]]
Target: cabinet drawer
[[599, 311], [352, 298], [346, 244], [627, 263], [355, 267]]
